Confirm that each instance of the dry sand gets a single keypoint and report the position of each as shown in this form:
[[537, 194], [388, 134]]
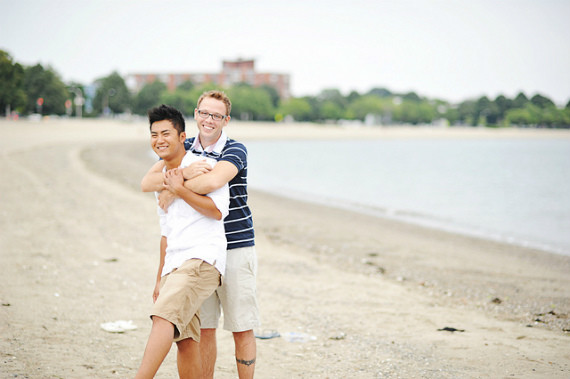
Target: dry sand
[[79, 247]]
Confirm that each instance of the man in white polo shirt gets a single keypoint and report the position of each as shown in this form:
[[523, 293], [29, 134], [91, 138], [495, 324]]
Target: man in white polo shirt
[[192, 252], [237, 296]]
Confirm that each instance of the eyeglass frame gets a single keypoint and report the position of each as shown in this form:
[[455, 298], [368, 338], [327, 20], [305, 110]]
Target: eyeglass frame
[[213, 115]]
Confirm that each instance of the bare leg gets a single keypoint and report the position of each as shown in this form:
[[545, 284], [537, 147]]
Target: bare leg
[[188, 359], [245, 353], [208, 352], [157, 347]]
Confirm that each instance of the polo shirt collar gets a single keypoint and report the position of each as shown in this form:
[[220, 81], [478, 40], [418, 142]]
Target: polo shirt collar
[[215, 148]]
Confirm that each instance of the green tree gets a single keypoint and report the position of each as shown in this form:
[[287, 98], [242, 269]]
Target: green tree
[[427, 112], [148, 97], [330, 110], [412, 96], [542, 101], [365, 105], [352, 96], [486, 111], [186, 86], [380, 92], [298, 108], [406, 112], [12, 95], [273, 94], [315, 105], [184, 101], [529, 115], [467, 112], [520, 100], [451, 114], [112, 95], [329, 105], [332, 95], [565, 117], [45, 84], [503, 104], [413, 112], [250, 103]]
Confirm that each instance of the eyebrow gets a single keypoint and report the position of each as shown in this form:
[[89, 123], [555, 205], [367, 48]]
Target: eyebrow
[[161, 132]]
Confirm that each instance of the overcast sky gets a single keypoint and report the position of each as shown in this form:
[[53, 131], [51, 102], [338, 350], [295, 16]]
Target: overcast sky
[[449, 49]]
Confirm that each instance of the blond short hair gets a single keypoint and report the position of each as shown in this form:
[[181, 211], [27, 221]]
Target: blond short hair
[[218, 95]]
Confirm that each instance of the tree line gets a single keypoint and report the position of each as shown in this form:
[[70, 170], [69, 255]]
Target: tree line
[[37, 89]]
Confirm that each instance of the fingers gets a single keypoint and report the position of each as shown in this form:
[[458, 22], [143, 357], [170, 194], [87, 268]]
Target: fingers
[[172, 173], [201, 166], [205, 166]]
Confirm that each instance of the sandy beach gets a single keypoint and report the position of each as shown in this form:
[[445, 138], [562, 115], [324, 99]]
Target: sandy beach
[[376, 298]]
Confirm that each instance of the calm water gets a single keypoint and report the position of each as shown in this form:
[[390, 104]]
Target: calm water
[[512, 190]]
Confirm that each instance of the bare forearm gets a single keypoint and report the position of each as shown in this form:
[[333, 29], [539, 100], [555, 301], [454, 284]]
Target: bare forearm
[[202, 184], [153, 181], [221, 174], [163, 244], [156, 291], [202, 204]]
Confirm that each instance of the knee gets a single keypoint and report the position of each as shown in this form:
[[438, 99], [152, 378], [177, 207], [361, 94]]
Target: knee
[[161, 323], [244, 338], [207, 334], [187, 345]]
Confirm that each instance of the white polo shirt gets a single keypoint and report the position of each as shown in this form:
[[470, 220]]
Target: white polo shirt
[[190, 234]]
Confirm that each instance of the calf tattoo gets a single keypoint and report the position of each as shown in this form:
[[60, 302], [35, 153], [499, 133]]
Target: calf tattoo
[[247, 363]]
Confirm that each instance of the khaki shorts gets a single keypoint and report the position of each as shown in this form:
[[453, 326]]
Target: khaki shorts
[[182, 292], [237, 295]]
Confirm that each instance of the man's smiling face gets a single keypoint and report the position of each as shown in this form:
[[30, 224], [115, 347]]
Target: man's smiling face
[[210, 129], [165, 140]]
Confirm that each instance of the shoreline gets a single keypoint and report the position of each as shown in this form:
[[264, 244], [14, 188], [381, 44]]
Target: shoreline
[[428, 222], [299, 228]]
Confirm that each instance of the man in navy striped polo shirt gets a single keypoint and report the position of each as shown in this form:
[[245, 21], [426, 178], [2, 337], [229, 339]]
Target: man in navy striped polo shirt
[[237, 295]]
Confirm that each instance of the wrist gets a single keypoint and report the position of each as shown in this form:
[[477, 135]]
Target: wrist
[[178, 189], [186, 174]]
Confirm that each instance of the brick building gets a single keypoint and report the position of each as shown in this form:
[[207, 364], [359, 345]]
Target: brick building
[[233, 72]]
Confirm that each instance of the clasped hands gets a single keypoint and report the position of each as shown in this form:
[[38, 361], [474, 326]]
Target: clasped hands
[[173, 181]]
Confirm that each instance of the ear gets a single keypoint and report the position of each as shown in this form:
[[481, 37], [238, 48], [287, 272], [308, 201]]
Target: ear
[[182, 137]]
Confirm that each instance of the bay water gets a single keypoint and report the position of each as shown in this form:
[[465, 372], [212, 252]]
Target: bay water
[[511, 190]]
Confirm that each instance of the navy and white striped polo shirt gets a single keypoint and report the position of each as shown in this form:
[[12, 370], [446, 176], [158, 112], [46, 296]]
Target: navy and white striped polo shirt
[[239, 223]]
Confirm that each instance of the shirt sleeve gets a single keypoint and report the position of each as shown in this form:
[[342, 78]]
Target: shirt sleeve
[[221, 198], [236, 153]]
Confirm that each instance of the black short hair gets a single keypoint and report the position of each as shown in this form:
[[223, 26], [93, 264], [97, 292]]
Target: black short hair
[[166, 112]]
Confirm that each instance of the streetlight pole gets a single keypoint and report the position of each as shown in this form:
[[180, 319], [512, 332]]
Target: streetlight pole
[[106, 109], [79, 101]]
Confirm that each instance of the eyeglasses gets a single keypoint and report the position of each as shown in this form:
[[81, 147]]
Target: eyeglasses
[[215, 116]]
